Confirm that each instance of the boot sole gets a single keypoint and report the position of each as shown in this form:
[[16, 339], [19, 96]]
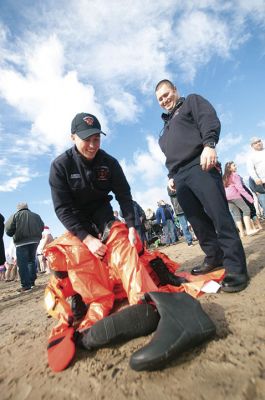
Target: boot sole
[[234, 289], [207, 272], [161, 362]]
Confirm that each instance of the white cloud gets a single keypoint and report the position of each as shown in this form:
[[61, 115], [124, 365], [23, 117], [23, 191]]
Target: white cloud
[[199, 37], [147, 166], [235, 79], [109, 50], [12, 184], [155, 150], [124, 107], [149, 198], [19, 176], [241, 157], [228, 141], [152, 35], [255, 9], [226, 117], [261, 124], [58, 75], [101, 56], [46, 96], [147, 171], [45, 202]]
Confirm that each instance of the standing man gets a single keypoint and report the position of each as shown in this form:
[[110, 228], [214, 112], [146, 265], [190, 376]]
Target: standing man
[[188, 141], [164, 215], [258, 190], [81, 180], [256, 168], [26, 228]]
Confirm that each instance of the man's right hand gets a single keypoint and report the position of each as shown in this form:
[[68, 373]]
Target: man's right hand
[[95, 246], [258, 182], [171, 184], [208, 158]]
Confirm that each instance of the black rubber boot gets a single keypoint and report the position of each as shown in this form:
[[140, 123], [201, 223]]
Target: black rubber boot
[[129, 323], [183, 324], [165, 276]]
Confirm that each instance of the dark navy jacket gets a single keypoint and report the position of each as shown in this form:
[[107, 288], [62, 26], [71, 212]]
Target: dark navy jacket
[[80, 192], [192, 124]]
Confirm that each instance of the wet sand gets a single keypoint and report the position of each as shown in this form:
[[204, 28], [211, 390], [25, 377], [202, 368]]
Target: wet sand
[[232, 366]]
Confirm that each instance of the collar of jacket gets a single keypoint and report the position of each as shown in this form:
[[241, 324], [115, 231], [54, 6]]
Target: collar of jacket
[[167, 116], [87, 163]]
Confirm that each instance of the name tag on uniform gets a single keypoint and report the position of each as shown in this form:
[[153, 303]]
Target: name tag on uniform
[[75, 176]]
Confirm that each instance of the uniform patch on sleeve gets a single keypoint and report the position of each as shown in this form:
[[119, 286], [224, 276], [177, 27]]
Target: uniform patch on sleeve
[[102, 173]]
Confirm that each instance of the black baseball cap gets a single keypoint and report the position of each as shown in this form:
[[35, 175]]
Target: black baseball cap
[[85, 125]]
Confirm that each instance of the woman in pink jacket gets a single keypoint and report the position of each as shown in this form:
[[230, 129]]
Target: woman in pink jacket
[[233, 190]]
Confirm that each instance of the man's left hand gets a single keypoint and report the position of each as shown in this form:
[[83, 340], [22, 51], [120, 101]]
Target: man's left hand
[[208, 158]]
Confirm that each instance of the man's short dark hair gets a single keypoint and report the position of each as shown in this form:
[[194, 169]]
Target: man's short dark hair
[[165, 82]]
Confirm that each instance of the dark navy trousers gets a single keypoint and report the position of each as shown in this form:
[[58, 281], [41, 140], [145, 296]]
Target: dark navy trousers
[[26, 256], [202, 197]]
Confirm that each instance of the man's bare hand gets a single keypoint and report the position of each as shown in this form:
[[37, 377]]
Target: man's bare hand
[[95, 246], [208, 158], [258, 182], [171, 184], [132, 236]]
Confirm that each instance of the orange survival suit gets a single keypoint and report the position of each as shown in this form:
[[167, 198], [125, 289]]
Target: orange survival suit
[[124, 272]]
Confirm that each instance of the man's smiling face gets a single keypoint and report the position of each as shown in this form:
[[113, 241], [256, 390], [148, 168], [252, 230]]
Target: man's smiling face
[[167, 97]]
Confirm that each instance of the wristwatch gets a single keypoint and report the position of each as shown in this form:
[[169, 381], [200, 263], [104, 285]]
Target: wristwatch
[[212, 145]]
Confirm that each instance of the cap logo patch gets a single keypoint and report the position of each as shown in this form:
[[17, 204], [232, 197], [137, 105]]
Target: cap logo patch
[[89, 120]]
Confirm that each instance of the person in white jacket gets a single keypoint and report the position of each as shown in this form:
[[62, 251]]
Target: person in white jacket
[[11, 263], [46, 239], [256, 166]]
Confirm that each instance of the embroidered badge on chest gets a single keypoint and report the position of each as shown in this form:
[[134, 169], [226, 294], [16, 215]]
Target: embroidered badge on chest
[[102, 173]]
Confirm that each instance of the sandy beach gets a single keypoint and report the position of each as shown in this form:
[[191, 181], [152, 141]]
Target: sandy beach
[[232, 366]]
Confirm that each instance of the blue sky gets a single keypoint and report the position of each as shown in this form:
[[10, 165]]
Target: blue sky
[[105, 57]]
